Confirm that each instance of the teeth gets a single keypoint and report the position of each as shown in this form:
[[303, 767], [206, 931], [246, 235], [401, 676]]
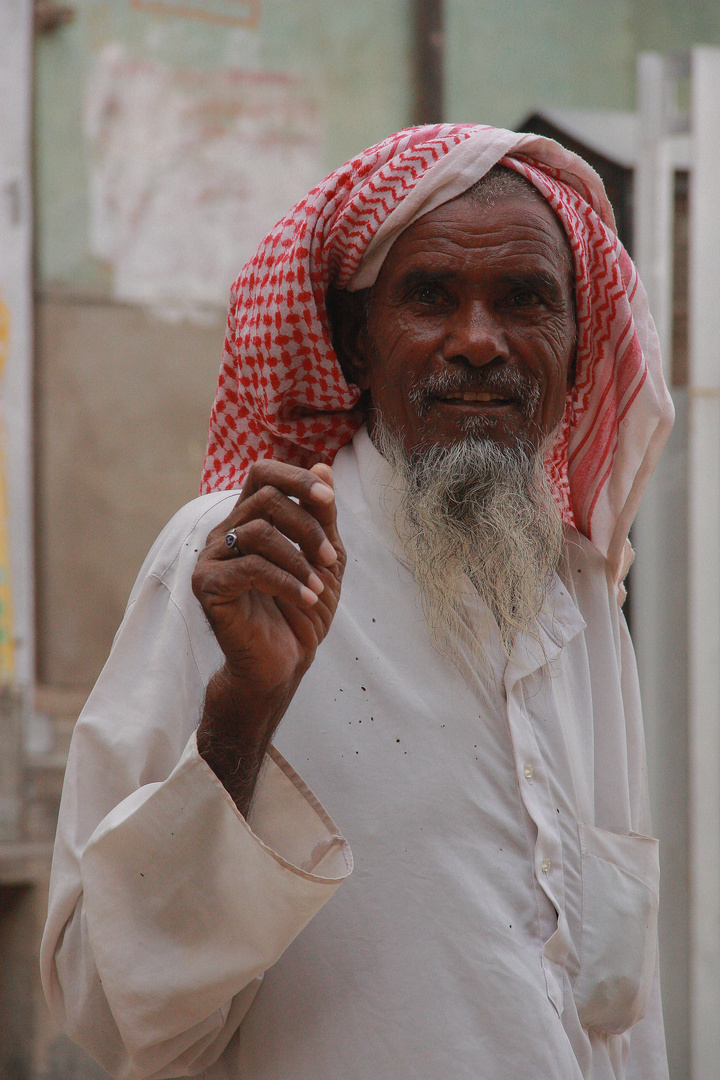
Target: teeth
[[474, 395]]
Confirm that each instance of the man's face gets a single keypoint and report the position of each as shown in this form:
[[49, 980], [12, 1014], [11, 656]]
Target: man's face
[[471, 325]]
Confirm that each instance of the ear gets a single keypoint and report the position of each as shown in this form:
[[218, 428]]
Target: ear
[[347, 313]]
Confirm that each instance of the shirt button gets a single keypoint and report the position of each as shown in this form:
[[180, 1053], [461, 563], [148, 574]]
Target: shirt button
[[546, 866], [529, 772]]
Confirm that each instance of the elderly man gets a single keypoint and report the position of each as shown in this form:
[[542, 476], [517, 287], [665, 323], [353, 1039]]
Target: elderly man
[[455, 302]]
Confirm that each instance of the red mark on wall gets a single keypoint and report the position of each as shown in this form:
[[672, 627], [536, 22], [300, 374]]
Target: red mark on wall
[[220, 12]]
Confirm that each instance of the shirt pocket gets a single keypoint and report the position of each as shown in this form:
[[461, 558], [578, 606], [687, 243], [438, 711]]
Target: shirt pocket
[[618, 941]]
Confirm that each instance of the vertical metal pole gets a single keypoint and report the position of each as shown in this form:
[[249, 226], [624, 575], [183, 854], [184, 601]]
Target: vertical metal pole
[[428, 61], [653, 196], [704, 565]]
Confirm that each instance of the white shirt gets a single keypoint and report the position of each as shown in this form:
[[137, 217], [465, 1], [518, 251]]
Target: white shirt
[[500, 921]]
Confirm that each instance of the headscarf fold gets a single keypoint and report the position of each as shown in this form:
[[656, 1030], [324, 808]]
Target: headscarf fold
[[281, 392]]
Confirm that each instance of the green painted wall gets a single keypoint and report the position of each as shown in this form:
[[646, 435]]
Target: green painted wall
[[669, 25], [505, 61], [350, 63]]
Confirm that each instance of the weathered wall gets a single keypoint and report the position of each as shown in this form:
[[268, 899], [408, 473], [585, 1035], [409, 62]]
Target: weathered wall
[[506, 61], [17, 659], [166, 147], [122, 406], [181, 140]]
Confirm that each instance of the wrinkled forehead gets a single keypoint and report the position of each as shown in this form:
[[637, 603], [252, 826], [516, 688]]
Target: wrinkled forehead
[[501, 213], [498, 184]]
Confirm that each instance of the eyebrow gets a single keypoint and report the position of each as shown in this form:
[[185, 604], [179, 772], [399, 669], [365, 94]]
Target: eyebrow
[[422, 276], [538, 280]]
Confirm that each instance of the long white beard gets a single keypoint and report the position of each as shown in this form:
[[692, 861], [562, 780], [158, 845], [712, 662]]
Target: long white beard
[[480, 511]]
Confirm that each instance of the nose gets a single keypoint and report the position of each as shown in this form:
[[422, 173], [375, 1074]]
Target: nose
[[476, 336]]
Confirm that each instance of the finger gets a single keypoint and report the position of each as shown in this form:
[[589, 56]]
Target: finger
[[327, 514], [260, 537], [301, 484], [279, 513], [255, 572], [319, 616], [309, 625], [320, 502]]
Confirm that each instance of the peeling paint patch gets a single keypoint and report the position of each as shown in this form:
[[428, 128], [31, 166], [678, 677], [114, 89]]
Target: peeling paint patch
[[189, 170]]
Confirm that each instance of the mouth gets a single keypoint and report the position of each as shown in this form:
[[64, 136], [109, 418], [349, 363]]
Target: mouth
[[484, 397]]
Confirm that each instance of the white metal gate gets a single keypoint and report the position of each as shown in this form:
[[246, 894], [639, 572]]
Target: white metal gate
[[676, 597]]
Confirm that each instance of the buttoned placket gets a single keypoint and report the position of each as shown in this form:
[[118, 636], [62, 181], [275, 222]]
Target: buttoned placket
[[528, 656]]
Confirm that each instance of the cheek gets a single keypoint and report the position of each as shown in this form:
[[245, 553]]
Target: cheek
[[554, 405], [550, 367], [386, 385], [555, 352], [397, 352]]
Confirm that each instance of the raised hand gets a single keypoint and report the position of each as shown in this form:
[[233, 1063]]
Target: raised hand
[[270, 600]]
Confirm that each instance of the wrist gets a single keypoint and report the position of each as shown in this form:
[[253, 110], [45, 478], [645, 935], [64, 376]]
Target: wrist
[[235, 731]]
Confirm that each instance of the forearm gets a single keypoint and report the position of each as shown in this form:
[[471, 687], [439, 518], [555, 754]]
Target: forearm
[[237, 726]]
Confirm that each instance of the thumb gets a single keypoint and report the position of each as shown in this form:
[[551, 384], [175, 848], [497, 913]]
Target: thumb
[[324, 473], [327, 514]]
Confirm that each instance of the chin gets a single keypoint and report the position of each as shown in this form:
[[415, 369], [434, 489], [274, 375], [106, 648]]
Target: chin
[[483, 429]]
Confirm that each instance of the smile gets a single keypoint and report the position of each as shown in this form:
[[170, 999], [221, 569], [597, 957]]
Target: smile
[[483, 396]]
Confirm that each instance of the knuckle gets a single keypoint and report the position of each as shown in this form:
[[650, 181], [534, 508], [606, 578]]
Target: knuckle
[[202, 586], [252, 565], [315, 529], [298, 561], [284, 579], [268, 496], [341, 560], [199, 575], [259, 530], [256, 470]]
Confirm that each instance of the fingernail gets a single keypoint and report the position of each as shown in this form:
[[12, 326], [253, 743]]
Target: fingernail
[[308, 595], [327, 553], [315, 584], [322, 492]]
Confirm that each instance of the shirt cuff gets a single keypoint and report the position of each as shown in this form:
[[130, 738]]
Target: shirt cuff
[[293, 826], [186, 904]]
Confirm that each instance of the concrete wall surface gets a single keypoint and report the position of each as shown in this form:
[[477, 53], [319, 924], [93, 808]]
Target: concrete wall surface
[[505, 62], [123, 401], [154, 128]]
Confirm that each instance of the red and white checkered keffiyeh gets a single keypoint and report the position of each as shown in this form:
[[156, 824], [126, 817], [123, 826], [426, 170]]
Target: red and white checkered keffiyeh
[[281, 392]]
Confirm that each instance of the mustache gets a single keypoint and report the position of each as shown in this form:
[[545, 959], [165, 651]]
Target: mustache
[[511, 383]]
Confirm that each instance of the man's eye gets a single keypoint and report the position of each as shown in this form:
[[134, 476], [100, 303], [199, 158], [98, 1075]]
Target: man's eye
[[428, 294], [522, 298]]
